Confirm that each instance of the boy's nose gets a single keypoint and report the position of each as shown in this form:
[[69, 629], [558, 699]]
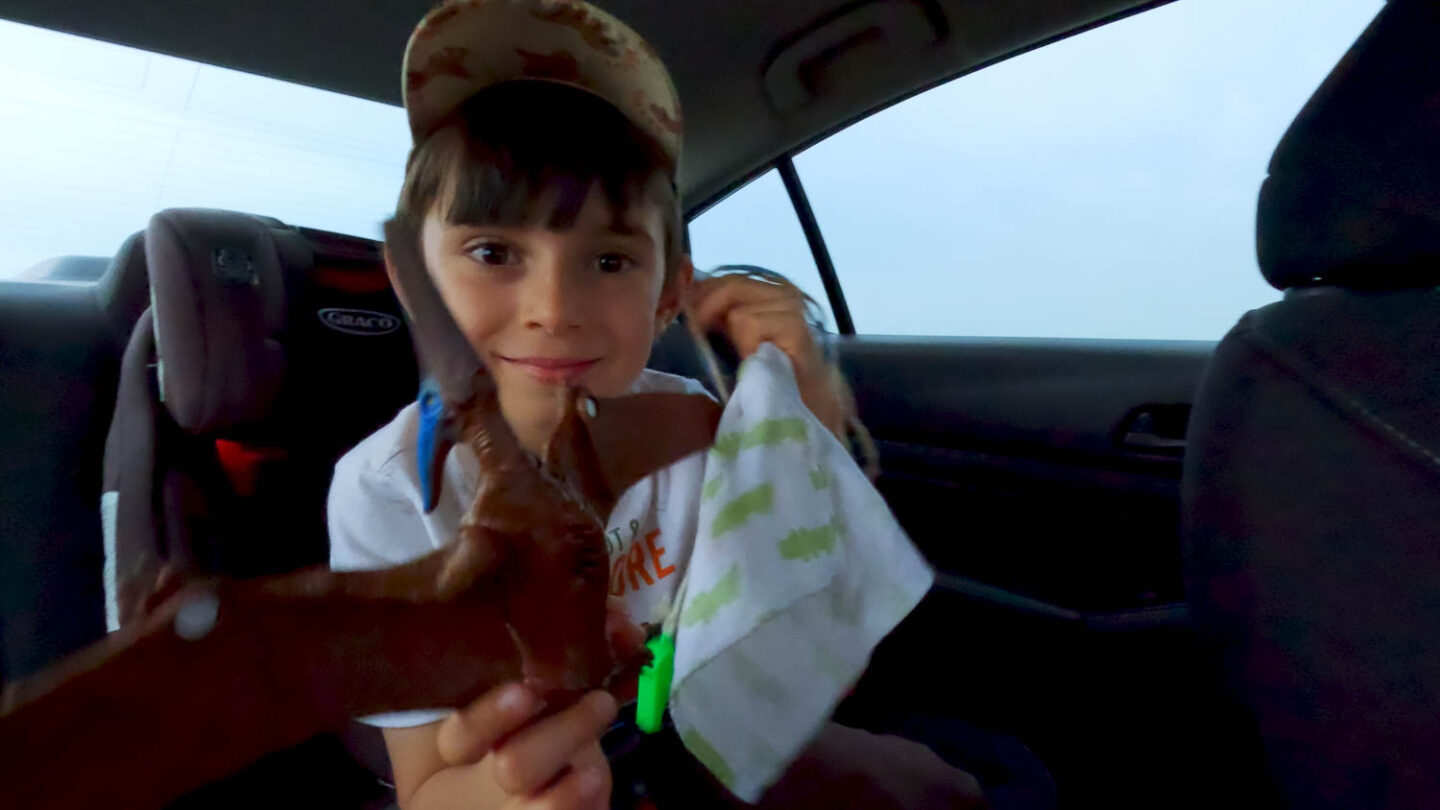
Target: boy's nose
[[552, 301]]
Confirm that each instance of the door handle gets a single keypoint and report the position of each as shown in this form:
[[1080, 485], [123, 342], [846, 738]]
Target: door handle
[[1154, 429]]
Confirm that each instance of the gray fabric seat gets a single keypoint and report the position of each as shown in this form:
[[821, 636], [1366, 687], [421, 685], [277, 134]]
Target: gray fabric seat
[[60, 348], [267, 353], [1311, 493]]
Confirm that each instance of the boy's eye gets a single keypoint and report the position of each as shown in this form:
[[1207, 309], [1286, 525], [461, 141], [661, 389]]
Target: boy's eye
[[494, 254], [612, 262]]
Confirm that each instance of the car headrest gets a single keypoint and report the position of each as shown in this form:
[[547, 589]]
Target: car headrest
[[67, 268], [1353, 197], [123, 290], [261, 327], [217, 285]]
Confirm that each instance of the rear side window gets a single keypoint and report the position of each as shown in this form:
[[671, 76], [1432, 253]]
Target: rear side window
[[1103, 186], [96, 137], [757, 226]]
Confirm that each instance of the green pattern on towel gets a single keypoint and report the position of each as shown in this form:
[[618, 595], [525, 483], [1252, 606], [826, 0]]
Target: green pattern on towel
[[807, 544], [711, 489], [766, 433], [756, 680], [703, 606], [708, 756], [830, 664], [819, 478], [731, 516]]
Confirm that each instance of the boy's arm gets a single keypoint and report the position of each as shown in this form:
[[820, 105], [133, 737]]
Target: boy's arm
[[494, 754]]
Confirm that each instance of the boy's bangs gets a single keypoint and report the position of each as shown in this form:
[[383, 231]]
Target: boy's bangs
[[509, 190], [529, 153]]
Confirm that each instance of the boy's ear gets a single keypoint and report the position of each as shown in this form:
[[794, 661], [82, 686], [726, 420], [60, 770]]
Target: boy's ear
[[672, 298]]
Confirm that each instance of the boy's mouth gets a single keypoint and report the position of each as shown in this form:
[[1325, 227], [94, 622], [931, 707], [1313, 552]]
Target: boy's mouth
[[551, 369]]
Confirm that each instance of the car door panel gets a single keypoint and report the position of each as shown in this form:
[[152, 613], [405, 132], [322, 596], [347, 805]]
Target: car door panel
[[1007, 460], [1040, 478]]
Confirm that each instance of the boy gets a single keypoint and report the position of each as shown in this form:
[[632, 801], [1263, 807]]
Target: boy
[[547, 135]]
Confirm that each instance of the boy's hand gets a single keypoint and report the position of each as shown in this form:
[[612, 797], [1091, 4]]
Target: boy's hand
[[495, 754], [553, 763], [752, 311]]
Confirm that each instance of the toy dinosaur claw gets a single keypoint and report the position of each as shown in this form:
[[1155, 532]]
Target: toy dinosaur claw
[[446, 357]]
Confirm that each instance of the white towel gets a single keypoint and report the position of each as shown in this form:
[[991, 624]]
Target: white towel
[[798, 571]]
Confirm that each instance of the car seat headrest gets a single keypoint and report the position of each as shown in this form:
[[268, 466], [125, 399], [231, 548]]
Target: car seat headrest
[[217, 283], [67, 268], [1353, 196], [123, 291], [274, 335]]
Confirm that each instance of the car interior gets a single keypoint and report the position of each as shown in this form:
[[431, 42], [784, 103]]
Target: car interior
[[1163, 566]]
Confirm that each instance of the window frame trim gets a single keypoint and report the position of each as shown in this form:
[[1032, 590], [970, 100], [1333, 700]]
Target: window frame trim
[[809, 226], [844, 324]]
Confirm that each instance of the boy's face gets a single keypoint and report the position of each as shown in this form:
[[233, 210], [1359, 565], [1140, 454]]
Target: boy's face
[[549, 308]]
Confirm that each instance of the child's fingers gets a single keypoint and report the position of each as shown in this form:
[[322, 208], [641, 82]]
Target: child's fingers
[[536, 755], [711, 300], [469, 734], [585, 786], [750, 326], [751, 312], [819, 387]]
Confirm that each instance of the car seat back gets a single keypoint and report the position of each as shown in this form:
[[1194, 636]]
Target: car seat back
[[1311, 491], [60, 348]]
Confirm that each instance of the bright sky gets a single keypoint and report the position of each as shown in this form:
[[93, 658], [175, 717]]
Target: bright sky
[[1103, 186], [94, 138]]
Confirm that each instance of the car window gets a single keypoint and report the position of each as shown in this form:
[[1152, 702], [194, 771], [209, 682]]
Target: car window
[[96, 137], [1103, 186], [757, 225]]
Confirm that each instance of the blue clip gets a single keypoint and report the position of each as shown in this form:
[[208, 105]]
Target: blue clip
[[427, 442]]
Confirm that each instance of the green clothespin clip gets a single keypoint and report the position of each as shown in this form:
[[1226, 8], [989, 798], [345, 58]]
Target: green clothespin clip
[[654, 688]]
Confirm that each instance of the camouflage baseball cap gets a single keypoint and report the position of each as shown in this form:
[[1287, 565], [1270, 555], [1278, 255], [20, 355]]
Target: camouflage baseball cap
[[464, 46]]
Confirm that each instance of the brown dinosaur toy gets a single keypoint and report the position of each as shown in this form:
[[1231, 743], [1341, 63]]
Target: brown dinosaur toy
[[218, 673]]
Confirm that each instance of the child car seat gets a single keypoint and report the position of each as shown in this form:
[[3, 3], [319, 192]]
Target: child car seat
[[266, 353]]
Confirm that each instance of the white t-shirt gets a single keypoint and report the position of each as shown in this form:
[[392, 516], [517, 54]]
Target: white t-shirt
[[377, 519]]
